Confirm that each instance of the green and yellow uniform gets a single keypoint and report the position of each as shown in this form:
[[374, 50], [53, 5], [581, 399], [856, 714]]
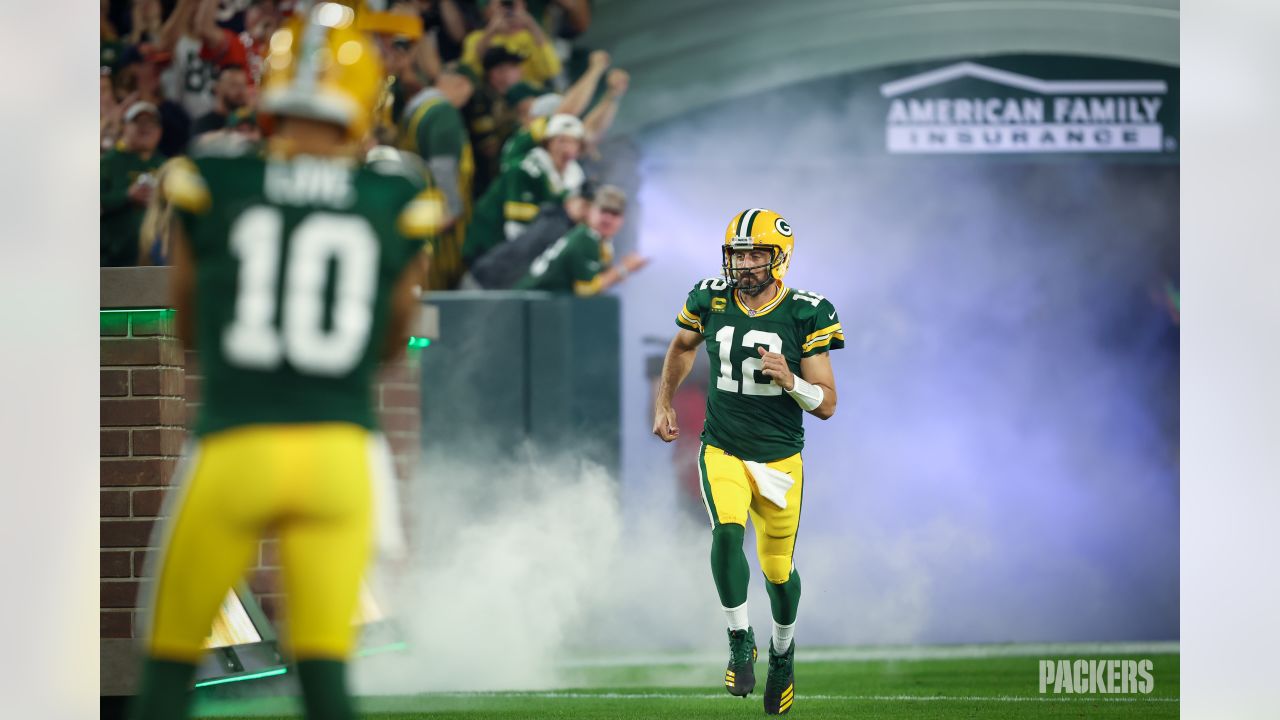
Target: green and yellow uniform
[[752, 426], [433, 128], [121, 219], [295, 261], [512, 202], [571, 265]]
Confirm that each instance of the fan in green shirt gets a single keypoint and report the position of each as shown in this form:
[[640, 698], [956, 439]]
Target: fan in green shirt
[[127, 182], [580, 262], [549, 173], [433, 127]]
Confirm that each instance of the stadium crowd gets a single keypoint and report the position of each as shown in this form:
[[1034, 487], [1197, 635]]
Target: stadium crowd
[[492, 101]]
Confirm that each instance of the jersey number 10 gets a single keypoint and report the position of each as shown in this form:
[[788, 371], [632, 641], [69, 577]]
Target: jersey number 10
[[253, 340]]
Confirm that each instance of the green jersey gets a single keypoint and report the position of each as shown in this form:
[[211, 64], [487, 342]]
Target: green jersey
[[571, 265], [748, 415], [121, 219], [295, 261], [512, 202], [517, 147]]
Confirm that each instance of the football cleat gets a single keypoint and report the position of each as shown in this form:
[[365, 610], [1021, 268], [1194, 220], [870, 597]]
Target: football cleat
[[780, 683], [740, 675]]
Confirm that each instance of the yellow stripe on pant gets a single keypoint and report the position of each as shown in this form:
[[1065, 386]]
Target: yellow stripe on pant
[[731, 496], [312, 484]]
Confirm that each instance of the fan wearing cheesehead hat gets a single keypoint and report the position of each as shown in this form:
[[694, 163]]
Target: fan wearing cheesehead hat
[[767, 345], [294, 272], [549, 173]]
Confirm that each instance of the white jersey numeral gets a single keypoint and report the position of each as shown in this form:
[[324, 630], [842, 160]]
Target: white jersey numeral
[[750, 365], [811, 298], [544, 260], [345, 241]]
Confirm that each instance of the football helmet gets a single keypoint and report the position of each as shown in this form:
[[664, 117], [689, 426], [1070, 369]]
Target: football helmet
[[757, 228], [321, 67]]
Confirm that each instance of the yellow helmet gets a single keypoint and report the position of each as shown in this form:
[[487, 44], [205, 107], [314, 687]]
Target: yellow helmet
[[323, 68], [758, 228]]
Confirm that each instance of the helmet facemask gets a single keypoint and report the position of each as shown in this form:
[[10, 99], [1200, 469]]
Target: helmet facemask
[[732, 271]]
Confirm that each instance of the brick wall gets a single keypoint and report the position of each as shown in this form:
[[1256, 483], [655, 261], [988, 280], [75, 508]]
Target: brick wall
[[150, 392]]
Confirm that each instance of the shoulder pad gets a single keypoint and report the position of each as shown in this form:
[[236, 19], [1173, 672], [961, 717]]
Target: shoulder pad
[[386, 160], [711, 285], [184, 187], [223, 145], [423, 215]]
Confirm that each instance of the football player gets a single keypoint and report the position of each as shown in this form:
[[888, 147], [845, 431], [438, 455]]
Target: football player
[[767, 344], [295, 269]]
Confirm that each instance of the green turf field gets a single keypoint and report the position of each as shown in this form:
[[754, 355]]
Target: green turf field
[[919, 683]]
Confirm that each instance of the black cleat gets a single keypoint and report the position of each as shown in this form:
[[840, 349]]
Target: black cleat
[[740, 676], [780, 684]]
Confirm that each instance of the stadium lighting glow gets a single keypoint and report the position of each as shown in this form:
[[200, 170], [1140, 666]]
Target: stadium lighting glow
[[238, 678]]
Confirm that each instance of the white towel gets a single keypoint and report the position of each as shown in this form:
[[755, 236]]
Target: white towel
[[773, 484]]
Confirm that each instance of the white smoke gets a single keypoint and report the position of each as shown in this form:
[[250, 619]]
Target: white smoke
[[517, 566]]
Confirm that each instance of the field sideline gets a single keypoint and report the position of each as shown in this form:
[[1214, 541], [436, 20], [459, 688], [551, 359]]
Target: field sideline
[[963, 681]]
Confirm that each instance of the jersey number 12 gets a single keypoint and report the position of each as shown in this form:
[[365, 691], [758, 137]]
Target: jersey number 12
[[750, 365], [348, 242]]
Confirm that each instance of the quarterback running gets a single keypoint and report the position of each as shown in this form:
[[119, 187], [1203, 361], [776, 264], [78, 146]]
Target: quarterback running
[[767, 345], [294, 272]]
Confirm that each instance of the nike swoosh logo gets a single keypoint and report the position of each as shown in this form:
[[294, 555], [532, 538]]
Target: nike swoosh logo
[[832, 316]]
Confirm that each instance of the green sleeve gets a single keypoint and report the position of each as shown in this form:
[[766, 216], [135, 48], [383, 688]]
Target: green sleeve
[[693, 312], [820, 326], [441, 133], [516, 148], [523, 195], [114, 185], [583, 258]]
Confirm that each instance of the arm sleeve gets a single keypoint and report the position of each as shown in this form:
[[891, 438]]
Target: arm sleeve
[[693, 312], [469, 51], [440, 141], [822, 330], [444, 171], [184, 187], [420, 220], [584, 267]]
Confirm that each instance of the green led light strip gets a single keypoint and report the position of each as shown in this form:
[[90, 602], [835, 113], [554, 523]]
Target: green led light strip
[[382, 648], [239, 678], [414, 342]]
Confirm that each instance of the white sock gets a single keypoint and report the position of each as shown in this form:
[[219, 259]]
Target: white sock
[[782, 635], [737, 617]]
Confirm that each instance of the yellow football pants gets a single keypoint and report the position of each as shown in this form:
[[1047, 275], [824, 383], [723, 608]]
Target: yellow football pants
[[313, 484], [730, 495]]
